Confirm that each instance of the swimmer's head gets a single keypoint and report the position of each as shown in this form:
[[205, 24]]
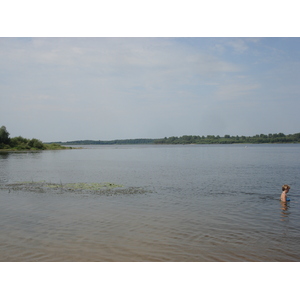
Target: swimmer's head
[[285, 187]]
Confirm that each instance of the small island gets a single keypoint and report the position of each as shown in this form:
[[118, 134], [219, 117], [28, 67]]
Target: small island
[[22, 144]]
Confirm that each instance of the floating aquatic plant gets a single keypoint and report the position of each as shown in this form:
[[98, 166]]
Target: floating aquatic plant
[[91, 186], [106, 188]]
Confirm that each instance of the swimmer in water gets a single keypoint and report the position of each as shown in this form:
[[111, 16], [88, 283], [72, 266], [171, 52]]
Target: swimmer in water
[[285, 190]]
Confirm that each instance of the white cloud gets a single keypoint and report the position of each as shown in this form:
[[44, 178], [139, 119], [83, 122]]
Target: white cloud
[[132, 86], [234, 91]]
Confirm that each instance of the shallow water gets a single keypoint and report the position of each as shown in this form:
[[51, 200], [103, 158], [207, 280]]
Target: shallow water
[[205, 203]]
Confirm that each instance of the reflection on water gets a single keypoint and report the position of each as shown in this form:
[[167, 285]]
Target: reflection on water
[[3, 155], [208, 204], [3, 167], [284, 209], [285, 215]]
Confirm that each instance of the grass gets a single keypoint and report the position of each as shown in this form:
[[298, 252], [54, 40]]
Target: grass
[[55, 147]]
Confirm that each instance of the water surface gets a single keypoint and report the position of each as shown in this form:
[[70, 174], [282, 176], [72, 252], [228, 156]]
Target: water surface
[[205, 203]]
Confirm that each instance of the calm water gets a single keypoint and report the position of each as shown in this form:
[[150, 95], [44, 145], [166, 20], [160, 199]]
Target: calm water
[[207, 203]]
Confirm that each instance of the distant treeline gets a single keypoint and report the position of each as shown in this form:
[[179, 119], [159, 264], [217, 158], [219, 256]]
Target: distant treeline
[[196, 139], [227, 139], [113, 142]]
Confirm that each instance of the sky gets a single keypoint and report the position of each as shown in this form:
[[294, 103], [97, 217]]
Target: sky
[[65, 89]]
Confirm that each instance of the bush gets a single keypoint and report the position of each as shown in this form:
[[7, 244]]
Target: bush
[[23, 146], [4, 146], [14, 142], [36, 144]]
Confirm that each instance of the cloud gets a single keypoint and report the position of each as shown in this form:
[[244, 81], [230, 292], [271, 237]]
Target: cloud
[[137, 86], [235, 91]]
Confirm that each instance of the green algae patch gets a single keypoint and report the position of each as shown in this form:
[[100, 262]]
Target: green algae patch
[[105, 188], [92, 186], [53, 186]]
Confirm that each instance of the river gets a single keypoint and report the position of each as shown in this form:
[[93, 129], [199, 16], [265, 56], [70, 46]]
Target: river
[[201, 203]]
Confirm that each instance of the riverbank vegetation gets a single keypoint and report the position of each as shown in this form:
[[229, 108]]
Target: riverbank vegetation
[[196, 139], [113, 142], [19, 143], [227, 139], [22, 144]]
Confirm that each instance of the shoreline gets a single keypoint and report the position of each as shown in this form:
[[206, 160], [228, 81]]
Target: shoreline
[[162, 144], [36, 150]]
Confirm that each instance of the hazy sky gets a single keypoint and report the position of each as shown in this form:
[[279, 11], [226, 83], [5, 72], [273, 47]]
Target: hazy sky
[[64, 89]]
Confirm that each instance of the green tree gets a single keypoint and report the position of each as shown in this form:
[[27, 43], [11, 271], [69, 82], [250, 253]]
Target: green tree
[[35, 143], [4, 135]]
